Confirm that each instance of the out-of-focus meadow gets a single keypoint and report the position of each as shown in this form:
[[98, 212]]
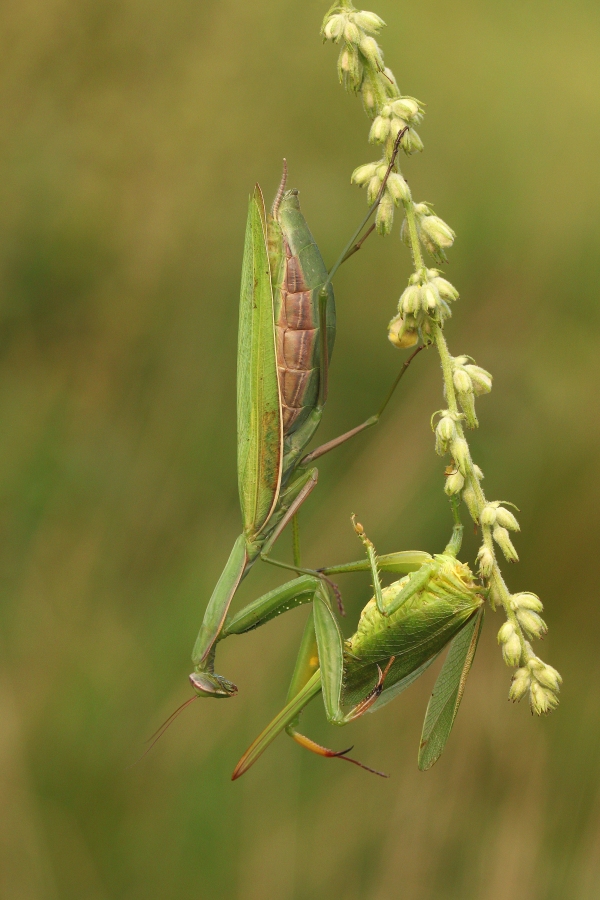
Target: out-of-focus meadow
[[131, 135]]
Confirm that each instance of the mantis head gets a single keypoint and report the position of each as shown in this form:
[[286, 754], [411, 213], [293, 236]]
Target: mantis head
[[209, 685]]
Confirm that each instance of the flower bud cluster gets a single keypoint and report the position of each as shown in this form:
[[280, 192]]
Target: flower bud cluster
[[427, 296], [469, 381], [372, 175], [359, 49], [433, 233], [422, 310], [540, 681]]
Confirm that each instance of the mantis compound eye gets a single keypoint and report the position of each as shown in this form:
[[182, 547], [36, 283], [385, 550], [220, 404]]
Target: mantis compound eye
[[207, 685]]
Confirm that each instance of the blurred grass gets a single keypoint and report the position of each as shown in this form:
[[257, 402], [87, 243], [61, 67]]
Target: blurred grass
[[130, 136]]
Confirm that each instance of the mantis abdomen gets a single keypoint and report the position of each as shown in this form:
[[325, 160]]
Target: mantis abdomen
[[298, 343]]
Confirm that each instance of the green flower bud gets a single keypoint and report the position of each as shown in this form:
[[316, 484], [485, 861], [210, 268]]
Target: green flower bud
[[460, 454], [503, 540], [510, 643], [410, 300], [429, 298], [371, 50], [488, 515], [462, 382], [541, 699], [478, 473], [505, 517], [384, 218], [333, 28], [368, 21], [400, 335], [373, 189], [351, 33], [482, 380], [454, 484], [485, 557], [520, 684], [411, 142], [526, 600], [436, 230], [545, 674], [396, 127], [380, 130], [470, 499], [350, 68], [532, 624], [398, 187], [406, 108], [363, 174], [446, 290], [444, 433]]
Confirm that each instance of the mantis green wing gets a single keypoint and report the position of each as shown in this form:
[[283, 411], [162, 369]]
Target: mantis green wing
[[447, 693], [260, 431]]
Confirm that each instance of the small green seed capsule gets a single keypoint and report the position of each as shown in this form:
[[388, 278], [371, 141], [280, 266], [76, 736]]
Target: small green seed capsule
[[488, 515], [398, 188], [482, 380], [545, 674], [384, 219], [510, 644], [351, 33], [462, 382], [520, 684], [526, 600], [460, 454], [503, 540], [485, 557], [532, 624], [333, 28], [505, 518], [438, 231], [410, 300], [363, 174], [368, 21], [372, 51], [380, 130], [454, 484], [542, 699]]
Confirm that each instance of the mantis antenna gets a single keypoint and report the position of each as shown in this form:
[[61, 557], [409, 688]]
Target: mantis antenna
[[280, 190]]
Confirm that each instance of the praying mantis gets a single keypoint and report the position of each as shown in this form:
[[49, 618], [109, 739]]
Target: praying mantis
[[286, 337]]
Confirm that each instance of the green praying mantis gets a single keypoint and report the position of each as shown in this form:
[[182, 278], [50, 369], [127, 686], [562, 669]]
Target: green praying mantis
[[286, 337]]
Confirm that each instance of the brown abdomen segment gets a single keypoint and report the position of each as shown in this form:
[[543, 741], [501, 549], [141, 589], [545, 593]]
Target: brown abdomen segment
[[297, 346]]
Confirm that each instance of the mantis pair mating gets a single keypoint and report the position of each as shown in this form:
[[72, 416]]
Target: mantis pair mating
[[286, 337]]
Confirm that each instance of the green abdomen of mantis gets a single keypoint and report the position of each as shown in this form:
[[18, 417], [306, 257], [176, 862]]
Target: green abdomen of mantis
[[298, 274]]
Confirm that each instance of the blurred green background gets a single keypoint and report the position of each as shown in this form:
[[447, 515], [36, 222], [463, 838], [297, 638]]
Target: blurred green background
[[131, 134]]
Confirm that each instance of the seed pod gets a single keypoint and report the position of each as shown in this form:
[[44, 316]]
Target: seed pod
[[363, 174], [545, 674], [510, 643], [485, 558], [368, 21], [333, 28], [398, 188], [532, 624], [520, 684], [488, 515], [542, 700], [503, 540], [505, 518], [454, 484], [526, 600]]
